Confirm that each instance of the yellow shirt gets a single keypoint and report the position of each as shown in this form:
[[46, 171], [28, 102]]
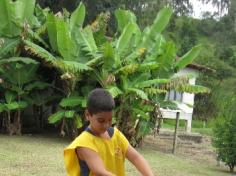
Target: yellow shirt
[[112, 152]]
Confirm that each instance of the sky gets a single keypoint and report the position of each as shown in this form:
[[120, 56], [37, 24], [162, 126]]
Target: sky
[[199, 8]]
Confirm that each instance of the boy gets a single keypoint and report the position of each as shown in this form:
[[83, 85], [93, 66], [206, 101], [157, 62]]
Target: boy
[[101, 149]]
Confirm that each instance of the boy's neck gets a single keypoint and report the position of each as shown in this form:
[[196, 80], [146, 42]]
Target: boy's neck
[[104, 135]]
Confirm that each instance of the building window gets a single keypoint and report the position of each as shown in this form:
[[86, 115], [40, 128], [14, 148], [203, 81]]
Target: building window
[[175, 96]]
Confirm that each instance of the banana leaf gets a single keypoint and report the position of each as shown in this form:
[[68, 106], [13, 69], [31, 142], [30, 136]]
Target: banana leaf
[[69, 114], [77, 19], [56, 117], [71, 102], [188, 58], [124, 17]]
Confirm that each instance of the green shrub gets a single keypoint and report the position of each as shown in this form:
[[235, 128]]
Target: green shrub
[[224, 132]]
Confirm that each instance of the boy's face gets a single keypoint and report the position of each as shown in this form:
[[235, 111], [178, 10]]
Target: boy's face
[[99, 122]]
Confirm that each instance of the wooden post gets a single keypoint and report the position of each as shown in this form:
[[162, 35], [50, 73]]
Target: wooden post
[[176, 132]]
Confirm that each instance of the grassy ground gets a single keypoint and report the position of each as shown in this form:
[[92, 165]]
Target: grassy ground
[[197, 126], [42, 156]]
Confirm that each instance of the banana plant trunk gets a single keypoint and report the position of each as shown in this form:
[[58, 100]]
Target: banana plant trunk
[[125, 123], [18, 122], [8, 124]]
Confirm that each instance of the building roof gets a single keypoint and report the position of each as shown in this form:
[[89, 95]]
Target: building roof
[[201, 68]]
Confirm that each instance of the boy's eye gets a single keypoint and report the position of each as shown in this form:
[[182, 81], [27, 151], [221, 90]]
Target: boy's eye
[[101, 121]]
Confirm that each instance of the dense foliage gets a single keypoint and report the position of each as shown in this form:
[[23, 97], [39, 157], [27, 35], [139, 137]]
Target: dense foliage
[[60, 59], [225, 133]]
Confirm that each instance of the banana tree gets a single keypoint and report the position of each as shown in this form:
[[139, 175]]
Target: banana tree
[[136, 67], [15, 17], [19, 75], [72, 52], [11, 104], [127, 71], [70, 109]]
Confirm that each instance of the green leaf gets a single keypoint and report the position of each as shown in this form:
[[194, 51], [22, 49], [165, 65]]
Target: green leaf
[[154, 91], [157, 27], [36, 37], [160, 22], [114, 91], [84, 38], [24, 10], [165, 59], [192, 88], [77, 18], [40, 52], [188, 57], [145, 127], [94, 61], [148, 66], [123, 18], [138, 92], [56, 117], [52, 31], [65, 44], [69, 114], [24, 60], [36, 85], [16, 105], [10, 96], [73, 66], [8, 46], [20, 74], [124, 39], [151, 82], [128, 69], [7, 27], [71, 101], [13, 12], [88, 34], [22, 104], [47, 57], [84, 103], [108, 55], [141, 114], [78, 121], [12, 106]]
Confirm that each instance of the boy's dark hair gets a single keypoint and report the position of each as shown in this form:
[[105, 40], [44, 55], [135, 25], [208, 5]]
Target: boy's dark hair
[[100, 100]]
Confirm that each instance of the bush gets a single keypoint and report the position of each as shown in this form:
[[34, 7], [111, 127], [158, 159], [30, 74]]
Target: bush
[[224, 132]]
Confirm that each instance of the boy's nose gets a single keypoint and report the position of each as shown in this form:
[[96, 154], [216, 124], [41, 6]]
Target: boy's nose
[[107, 125]]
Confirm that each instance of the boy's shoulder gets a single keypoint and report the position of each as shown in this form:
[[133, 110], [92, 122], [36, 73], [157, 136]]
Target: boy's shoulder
[[84, 137]]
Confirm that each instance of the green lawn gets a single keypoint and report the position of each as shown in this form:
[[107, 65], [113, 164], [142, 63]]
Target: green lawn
[[197, 126], [43, 156]]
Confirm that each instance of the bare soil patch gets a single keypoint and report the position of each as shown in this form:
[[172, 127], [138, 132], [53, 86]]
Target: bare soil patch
[[193, 146]]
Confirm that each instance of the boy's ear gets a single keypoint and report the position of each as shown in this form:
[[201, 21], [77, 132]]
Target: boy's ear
[[86, 114]]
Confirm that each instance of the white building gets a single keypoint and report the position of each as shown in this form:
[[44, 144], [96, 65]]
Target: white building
[[184, 101]]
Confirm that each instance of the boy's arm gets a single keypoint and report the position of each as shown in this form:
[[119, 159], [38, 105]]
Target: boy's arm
[[138, 161], [93, 161]]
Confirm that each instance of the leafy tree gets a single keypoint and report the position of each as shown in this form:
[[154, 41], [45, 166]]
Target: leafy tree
[[18, 73], [135, 65], [224, 133]]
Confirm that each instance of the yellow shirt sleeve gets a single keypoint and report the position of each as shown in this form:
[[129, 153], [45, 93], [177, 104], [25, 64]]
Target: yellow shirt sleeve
[[70, 157], [123, 141]]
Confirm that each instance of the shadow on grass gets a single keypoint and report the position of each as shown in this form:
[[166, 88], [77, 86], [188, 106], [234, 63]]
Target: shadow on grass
[[223, 170]]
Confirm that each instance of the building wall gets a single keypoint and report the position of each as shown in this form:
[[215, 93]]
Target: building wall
[[185, 101]]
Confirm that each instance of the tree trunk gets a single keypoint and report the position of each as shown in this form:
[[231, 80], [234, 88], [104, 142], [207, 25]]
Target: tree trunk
[[18, 123], [62, 131], [125, 123], [8, 124], [231, 168]]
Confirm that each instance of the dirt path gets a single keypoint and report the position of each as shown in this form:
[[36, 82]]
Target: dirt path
[[191, 145]]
